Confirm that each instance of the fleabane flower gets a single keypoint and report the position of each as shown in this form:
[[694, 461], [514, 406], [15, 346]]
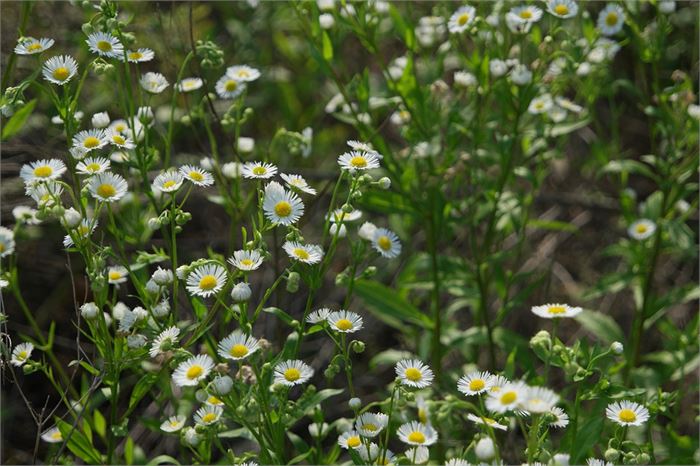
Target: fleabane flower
[[281, 207], [153, 83], [105, 45], [475, 383], [93, 165], [168, 182], [208, 415], [140, 55], [53, 435], [292, 372], [42, 170], [189, 84], [246, 260], [164, 341], [190, 372], [561, 419], [562, 8], [238, 346], [627, 413], [371, 424], [527, 13], [306, 253], [350, 439], [206, 280], [386, 243], [258, 170], [83, 230], [611, 19], [243, 73], [119, 139], [197, 176], [540, 104], [357, 160], [31, 46], [7, 241], [90, 139], [318, 316], [415, 433], [363, 147], [298, 182], [107, 187], [344, 321], [117, 274], [539, 400], [173, 424], [461, 19], [228, 87], [60, 69], [21, 354], [414, 373], [487, 421], [556, 311], [641, 229], [45, 193], [508, 398]]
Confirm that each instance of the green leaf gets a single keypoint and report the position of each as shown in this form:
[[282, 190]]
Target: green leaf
[[78, 443], [306, 404], [586, 437], [629, 166], [601, 325], [100, 423], [142, 387], [327, 47], [16, 122], [389, 306], [286, 318], [129, 451]]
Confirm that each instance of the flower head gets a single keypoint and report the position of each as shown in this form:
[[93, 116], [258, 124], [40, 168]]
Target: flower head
[[562, 8], [93, 165], [461, 19], [197, 176], [91, 139], [357, 160], [246, 260], [139, 56], [164, 341], [259, 170], [243, 73], [60, 69], [105, 45], [189, 373], [281, 207], [486, 421], [208, 415], [344, 321], [306, 253], [386, 243], [107, 187], [229, 88], [475, 383], [627, 413], [31, 46], [206, 280], [238, 346], [641, 229], [414, 373], [556, 311], [117, 274], [292, 372], [153, 83], [611, 19], [21, 354], [169, 181], [298, 182], [415, 433], [189, 84], [508, 398], [173, 424], [42, 170], [371, 424]]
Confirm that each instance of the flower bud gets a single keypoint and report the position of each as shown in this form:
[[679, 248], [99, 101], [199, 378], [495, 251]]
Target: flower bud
[[384, 183], [221, 385], [241, 292], [318, 430], [154, 223], [293, 282], [152, 287], [162, 276], [485, 449], [367, 230], [617, 347], [611, 455], [136, 341], [191, 436], [355, 403], [89, 310], [339, 229], [643, 458], [72, 218], [357, 346], [100, 120], [161, 309], [182, 272]]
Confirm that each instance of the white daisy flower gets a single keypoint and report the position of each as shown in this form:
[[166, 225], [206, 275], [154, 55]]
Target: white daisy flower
[[356, 160], [208, 415], [90, 139], [371, 424], [386, 243], [360, 146], [475, 383], [464, 79], [60, 69], [539, 400], [350, 439], [243, 73], [611, 19], [206, 280], [93, 165], [555, 311], [562, 8], [418, 455], [7, 241], [80, 232], [21, 354], [100, 120], [105, 45], [139, 56], [627, 413], [191, 372], [281, 207], [483, 420], [306, 253], [597, 462], [259, 170], [196, 175], [46, 193], [508, 398], [238, 346], [561, 418], [107, 187], [457, 462], [117, 274], [527, 13], [415, 433], [212, 400], [228, 87], [318, 316], [567, 104], [414, 373], [42, 170], [461, 19], [345, 321], [53, 435], [154, 83], [27, 215], [641, 229], [246, 260], [540, 104], [164, 341], [367, 230], [520, 75], [169, 181], [31, 46], [119, 126], [118, 139], [339, 215], [292, 372], [298, 182], [173, 424], [189, 84]]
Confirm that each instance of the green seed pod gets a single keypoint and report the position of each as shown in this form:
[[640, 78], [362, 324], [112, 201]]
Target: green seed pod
[[357, 346], [293, 282], [643, 458], [612, 455]]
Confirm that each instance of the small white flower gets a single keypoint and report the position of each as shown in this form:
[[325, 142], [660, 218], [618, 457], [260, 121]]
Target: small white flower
[[292, 372], [341, 216], [189, 84], [90, 139], [298, 182], [169, 181], [540, 104], [259, 170], [229, 88], [486, 421], [418, 455], [107, 187], [507, 398], [306, 253], [118, 139], [27, 215], [191, 372], [415, 433], [21, 354], [414, 373], [154, 83], [475, 383], [105, 45], [627, 413], [206, 280], [318, 316], [611, 19], [42, 170], [165, 340], [356, 160], [350, 439], [7, 241], [527, 13], [196, 175], [100, 120], [173, 424], [561, 418], [238, 346], [497, 68], [45, 194], [461, 19], [243, 73], [326, 20], [520, 75], [641, 229], [246, 260], [117, 274], [139, 56], [371, 424], [281, 207], [556, 311], [539, 400], [386, 243], [344, 321], [53, 435], [464, 79], [31, 46], [208, 415], [60, 69], [562, 8]]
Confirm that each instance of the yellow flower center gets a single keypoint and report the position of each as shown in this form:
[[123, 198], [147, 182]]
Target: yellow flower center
[[43, 171], [104, 46], [83, 230], [34, 47], [208, 282], [92, 167], [561, 9], [57, 435], [283, 209], [422, 416], [413, 374], [2, 247], [358, 162], [174, 423], [292, 374], [61, 73], [214, 400], [343, 324], [259, 171], [301, 253], [370, 427], [488, 420], [120, 127], [476, 385], [611, 19], [627, 415], [196, 176], [354, 442], [384, 243], [169, 184], [106, 190], [238, 351], [247, 262], [463, 18], [209, 417], [509, 397], [115, 275], [22, 355], [136, 55], [231, 85], [243, 73], [526, 14], [416, 437], [91, 142], [641, 229], [556, 310], [194, 372], [118, 139]]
